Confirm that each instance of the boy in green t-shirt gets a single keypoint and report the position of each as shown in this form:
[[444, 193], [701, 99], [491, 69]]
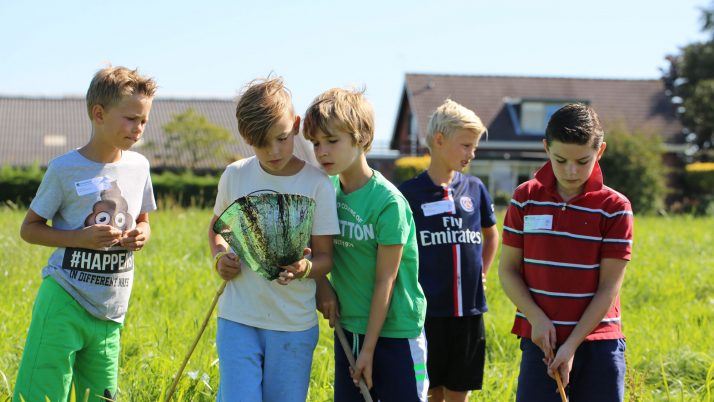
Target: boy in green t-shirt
[[375, 260]]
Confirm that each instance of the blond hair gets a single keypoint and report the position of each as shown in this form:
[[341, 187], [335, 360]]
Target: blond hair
[[341, 109], [112, 84], [262, 103], [452, 116]]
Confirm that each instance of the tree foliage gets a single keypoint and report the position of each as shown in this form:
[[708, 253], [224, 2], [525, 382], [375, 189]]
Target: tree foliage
[[191, 140], [632, 165], [690, 83]]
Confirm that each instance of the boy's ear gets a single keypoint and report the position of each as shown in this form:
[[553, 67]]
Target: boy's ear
[[439, 138], [601, 150], [296, 125], [545, 145], [98, 113]]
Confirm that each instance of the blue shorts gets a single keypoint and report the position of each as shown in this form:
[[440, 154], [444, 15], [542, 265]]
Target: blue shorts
[[598, 373], [258, 364], [398, 370]]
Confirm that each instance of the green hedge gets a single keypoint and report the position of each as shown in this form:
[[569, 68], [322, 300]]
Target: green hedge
[[185, 189], [19, 185]]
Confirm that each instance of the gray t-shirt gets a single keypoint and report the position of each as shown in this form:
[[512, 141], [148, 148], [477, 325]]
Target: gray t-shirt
[[77, 192]]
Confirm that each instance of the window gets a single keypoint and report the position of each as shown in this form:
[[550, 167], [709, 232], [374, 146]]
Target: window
[[530, 116], [535, 115]]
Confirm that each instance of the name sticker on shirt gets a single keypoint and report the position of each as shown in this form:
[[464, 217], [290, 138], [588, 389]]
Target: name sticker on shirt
[[438, 207], [93, 185], [537, 222]]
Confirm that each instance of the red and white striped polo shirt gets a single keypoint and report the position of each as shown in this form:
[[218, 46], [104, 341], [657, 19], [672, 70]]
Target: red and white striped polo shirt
[[563, 244]]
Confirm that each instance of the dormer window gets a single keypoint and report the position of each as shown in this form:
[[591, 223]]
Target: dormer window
[[530, 116]]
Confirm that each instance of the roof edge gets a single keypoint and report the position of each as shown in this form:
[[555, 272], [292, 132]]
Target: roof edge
[[544, 77]]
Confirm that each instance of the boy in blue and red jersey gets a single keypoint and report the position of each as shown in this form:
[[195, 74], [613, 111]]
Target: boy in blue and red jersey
[[457, 238], [566, 242]]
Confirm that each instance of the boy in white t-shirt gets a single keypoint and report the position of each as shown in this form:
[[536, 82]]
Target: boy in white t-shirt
[[267, 330]]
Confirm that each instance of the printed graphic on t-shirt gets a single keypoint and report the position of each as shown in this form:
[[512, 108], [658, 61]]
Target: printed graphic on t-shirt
[[355, 230], [84, 265]]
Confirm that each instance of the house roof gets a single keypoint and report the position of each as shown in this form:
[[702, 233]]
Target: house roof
[[640, 104], [39, 129]]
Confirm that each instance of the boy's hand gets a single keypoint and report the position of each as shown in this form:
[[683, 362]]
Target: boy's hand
[[133, 239], [543, 335], [99, 237], [563, 362], [228, 266], [326, 301], [295, 270], [363, 368]]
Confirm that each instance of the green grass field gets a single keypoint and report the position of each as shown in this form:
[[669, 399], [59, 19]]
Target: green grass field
[[667, 298]]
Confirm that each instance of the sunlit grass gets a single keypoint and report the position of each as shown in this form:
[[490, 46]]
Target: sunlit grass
[[667, 299]]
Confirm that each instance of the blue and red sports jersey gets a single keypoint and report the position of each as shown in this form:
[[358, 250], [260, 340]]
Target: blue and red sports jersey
[[563, 244], [448, 222]]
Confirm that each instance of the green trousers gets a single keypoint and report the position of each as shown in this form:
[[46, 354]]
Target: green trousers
[[65, 346]]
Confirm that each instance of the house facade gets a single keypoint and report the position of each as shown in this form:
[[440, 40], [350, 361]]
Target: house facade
[[516, 110]]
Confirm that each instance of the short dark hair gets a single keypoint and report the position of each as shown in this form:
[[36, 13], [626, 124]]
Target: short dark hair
[[575, 123]]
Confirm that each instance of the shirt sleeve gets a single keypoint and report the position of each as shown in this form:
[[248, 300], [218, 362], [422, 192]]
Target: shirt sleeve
[[325, 220], [513, 222], [617, 234], [488, 214], [49, 196], [395, 222], [148, 202], [220, 205]]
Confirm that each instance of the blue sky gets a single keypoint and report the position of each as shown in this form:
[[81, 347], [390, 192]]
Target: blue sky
[[52, 48]]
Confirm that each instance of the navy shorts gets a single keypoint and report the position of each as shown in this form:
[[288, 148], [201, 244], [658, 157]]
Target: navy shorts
[[398, 370], [456, 352], [598, 373]]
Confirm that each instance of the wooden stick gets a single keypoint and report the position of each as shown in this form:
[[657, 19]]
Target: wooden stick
[[561, 389], [177, 377], [346, 347]]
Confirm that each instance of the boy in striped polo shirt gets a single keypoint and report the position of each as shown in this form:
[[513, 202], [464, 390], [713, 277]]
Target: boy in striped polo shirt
[[566, 242]]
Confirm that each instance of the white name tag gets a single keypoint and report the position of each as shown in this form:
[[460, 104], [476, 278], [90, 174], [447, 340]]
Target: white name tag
[[91, 186], [537, 222], [438, 207]]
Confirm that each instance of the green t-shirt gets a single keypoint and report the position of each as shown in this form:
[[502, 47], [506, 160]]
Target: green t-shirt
[[376, 214]]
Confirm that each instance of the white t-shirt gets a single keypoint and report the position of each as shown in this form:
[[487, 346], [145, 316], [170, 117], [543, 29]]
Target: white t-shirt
[[250, 299]]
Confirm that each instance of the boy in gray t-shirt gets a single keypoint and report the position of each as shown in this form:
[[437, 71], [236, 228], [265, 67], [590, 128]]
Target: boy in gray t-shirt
[[98, 198]]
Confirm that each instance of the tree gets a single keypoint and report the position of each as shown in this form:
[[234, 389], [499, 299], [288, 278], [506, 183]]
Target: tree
[[632, 165], [190, 139], [689, 81]]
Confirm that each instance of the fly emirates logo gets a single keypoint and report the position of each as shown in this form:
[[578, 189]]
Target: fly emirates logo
[[452, 234]]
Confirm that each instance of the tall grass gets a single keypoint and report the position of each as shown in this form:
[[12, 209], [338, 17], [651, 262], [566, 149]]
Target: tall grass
[[667, 298]]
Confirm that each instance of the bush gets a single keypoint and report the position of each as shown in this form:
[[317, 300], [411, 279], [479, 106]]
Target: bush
[[632, 164], [699, 187], [19, 186], [185, 189], [409, 166]]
